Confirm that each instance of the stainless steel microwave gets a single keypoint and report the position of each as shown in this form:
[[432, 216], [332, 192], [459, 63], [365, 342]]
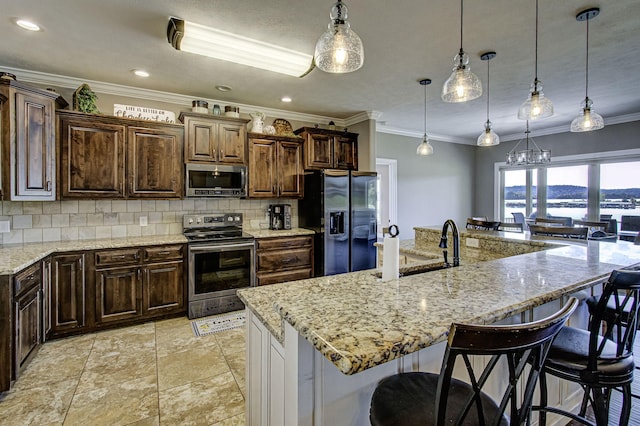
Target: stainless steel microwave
[[211, 180]]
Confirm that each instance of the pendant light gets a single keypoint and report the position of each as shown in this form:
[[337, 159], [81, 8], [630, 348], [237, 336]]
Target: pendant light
[[462, 85], [588, 119], [425, 148], [536, 106], [488, 137], [528, 156], [339, 49]]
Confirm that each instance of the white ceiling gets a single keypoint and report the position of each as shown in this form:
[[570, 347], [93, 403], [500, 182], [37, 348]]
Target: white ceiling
[[404, 41]]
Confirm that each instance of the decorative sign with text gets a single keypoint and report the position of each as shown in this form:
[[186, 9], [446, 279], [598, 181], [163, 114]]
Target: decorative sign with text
[[144, 113]]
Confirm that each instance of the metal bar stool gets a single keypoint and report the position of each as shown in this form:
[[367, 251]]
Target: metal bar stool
[[418, 398], [599, 363]]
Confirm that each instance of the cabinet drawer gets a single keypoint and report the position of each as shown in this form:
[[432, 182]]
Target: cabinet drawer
[[157, 254], [276, 260], [27, 279], [117, 257], [281, 277], [283, 243]]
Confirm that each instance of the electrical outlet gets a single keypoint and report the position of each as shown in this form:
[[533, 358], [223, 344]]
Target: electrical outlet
[[473, 242], [5, 226], [144, 221]]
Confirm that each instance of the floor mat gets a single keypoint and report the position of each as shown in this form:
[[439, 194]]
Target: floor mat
[[214, 324]]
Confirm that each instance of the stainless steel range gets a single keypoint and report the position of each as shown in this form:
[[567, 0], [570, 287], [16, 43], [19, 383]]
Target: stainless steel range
[[221, 260]]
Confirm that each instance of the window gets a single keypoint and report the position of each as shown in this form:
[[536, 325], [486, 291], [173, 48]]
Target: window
[[592, 187], [567, 192]]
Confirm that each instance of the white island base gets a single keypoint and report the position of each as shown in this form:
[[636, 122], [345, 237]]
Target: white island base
[[292, 384]]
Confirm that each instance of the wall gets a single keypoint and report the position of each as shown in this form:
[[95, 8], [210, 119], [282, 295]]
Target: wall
[[610, 138], [430, 189], [366, 131], [38, 221]]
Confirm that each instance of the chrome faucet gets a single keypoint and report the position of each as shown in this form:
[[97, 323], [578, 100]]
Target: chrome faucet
[[456, 242]]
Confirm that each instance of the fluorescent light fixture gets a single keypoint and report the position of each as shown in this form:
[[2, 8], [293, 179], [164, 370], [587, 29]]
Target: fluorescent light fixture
[[141, 73], [27, 25], [196, 38]]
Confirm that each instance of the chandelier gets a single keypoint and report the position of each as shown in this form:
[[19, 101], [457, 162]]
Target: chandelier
[[528, 156]]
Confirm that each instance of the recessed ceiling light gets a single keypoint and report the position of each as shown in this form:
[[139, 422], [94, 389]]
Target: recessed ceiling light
[[286, 99], [27, 25], [224, 88], [141, 73]]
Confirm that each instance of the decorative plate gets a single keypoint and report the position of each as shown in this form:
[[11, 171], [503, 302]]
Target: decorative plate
[[283, 127]]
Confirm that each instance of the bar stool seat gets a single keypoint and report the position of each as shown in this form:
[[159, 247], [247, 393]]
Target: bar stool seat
[[571, 352], [417, 398], [598, 362]]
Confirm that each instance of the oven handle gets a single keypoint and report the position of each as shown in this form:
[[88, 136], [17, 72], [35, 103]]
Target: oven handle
[[219, 247]]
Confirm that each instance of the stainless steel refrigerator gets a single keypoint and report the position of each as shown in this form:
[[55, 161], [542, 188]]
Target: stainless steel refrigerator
[[340, 206]]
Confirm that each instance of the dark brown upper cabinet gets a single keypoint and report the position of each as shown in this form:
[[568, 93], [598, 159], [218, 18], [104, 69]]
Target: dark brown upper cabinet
[[28, 142], [329, 149], [214, 139], [109, 157]]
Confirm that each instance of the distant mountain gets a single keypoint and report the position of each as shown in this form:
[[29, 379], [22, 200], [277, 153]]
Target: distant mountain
[[571, 192]]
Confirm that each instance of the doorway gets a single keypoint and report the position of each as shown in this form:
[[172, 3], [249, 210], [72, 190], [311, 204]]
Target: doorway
[[387, 193]]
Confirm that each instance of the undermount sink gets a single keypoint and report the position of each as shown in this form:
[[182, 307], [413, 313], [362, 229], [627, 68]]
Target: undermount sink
[[418, 269]]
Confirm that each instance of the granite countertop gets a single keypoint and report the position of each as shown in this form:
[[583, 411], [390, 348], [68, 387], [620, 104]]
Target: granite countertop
[[357, 322], [15, 257], [268, 233]]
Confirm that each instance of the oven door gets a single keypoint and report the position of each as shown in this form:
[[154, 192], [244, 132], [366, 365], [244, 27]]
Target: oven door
[[219, 269]]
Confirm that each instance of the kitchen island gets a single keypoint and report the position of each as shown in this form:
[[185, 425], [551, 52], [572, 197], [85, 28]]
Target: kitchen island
[[316, 348]]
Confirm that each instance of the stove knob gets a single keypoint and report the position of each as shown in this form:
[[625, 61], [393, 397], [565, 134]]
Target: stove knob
[[198, 220], [190, 221], [230, 219], [237, 218]]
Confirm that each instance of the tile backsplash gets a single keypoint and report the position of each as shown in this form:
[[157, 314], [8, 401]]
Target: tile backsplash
[[38, 221]]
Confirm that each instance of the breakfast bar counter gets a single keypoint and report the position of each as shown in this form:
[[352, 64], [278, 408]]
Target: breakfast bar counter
[[347, 331]]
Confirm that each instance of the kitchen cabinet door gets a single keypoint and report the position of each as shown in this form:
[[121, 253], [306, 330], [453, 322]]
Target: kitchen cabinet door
[[68, 293], [318, 151], [345, 151], [154, 163], [163, 288], [232, 143], [91, 158], [290, 170], [262, 168], [28, 326], [118, 294], [28, 142], [214, 139]]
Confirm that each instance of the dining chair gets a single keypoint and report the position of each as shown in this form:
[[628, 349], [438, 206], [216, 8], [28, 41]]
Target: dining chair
[[559, 231], [518, 217], [486, 225], [419, 398], [550, 222], [599, 359]]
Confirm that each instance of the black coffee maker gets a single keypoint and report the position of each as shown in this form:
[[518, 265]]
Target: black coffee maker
[[279, 216]]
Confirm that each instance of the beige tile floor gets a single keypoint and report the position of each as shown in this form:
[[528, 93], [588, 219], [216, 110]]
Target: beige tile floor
[[152, 374]]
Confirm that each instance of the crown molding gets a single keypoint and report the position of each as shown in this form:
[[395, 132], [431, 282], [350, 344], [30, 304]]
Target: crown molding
[[362, 116], [56, 80], [413, 134], [620, 119]]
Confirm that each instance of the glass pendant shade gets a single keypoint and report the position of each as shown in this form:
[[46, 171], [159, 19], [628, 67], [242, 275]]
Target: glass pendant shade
[[488, 137], [462, 85], [588, 119], [536, 106], [339, 49], [425, 148]]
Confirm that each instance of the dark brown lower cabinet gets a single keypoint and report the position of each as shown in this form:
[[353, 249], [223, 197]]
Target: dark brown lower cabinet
[[68, 290], [139, 283], [28, 320], [283, 259], [118, 295]]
